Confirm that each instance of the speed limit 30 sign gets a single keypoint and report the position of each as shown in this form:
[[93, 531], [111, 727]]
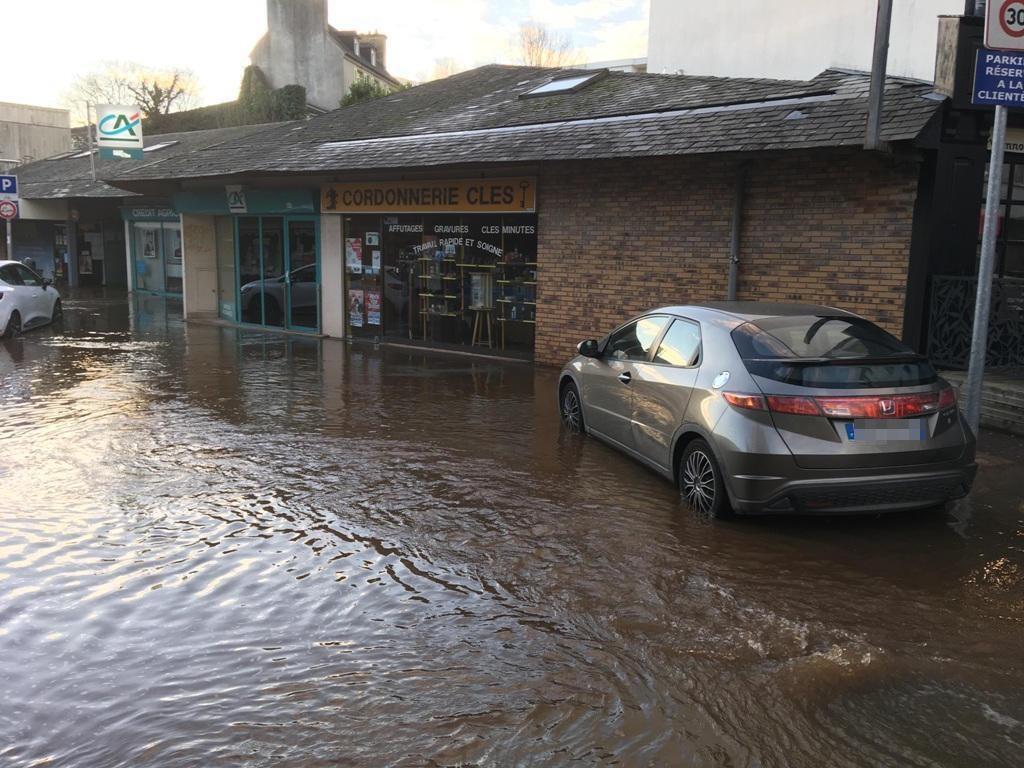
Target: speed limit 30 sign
[[1004, 25]]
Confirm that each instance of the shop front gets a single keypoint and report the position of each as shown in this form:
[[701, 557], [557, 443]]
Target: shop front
[[278, 267], [443, 263], [253, 256], [154, 246]]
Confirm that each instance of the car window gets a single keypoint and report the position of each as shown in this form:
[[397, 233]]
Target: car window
[[834, 352], [810, 336], [10, 275], [681, 345], [635, 340], [28, 277]]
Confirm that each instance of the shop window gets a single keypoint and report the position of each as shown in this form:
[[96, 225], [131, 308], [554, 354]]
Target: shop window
[[149, 264], [444, 280], [278, 272], [1010, 222], [156, 256]]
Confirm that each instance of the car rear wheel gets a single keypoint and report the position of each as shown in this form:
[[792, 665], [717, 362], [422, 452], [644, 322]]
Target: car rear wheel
[[58, 312], [571, 408], [700, 481], [13, 326]]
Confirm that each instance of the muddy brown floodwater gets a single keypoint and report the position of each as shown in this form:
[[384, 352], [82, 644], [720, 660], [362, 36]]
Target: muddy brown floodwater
[[230, 548]]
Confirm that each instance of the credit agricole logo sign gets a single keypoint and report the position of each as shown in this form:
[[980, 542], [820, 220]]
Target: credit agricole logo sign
[[119, 131]]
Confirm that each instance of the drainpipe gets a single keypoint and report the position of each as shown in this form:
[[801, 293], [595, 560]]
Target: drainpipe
[[872, 136], [737, 224], [72, 250]]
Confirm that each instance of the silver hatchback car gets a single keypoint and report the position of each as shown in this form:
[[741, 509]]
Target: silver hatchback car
[[776, 408]]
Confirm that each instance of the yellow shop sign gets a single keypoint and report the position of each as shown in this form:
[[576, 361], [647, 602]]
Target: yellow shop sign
[[512, 195]]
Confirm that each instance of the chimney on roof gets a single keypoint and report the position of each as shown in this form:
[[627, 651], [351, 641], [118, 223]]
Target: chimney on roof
[[377, 45], [297, 19]]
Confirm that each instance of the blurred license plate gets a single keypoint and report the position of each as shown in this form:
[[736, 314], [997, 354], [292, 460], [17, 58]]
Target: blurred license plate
[[886, 430]]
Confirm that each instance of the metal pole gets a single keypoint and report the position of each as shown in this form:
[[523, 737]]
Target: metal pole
[[883, 21], [88, 133], [10, 241], [737, 223], [72, 230], [983, 302]]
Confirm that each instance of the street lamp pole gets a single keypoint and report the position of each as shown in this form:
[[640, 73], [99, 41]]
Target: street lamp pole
[[986, 267]]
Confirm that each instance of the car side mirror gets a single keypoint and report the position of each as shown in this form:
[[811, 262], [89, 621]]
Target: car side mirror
[[589, 348]]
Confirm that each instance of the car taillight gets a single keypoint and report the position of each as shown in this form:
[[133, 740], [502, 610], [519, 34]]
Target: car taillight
[[857, 407], [802, 406], [947, 398], [880, 406], [747, 402]]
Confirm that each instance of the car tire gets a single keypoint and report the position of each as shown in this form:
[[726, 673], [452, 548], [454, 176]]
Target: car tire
[[570, 409], [700, 481], [58, 312], [13, 325]]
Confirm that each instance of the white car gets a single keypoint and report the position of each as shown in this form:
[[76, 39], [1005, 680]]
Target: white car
[[26, 299]]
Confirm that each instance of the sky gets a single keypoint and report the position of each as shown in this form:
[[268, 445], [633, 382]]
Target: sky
[[47, 43]]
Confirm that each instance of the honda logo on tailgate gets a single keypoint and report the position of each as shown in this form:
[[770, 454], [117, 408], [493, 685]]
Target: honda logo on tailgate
[[888, 407]]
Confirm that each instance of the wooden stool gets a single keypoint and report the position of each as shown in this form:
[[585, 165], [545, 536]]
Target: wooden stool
[[482, 321]]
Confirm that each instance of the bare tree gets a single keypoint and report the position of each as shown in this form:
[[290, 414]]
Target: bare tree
[[156, 91], [159, 95], [542, 47]]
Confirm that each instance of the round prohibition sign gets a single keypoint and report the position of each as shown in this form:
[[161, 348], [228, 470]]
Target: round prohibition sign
[[8, 210], [1011, 18]]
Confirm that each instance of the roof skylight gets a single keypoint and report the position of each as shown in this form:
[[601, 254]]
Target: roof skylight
[[161, 145], [569, 84]]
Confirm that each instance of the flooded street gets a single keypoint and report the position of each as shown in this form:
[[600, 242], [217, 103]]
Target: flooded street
[[234, 548]]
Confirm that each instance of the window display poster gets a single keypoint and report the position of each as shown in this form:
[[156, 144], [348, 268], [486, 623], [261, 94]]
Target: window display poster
[[84, 261], [372, 308], [373, 238], [376, 261], [354, 255], [355, 307], [149, 243]]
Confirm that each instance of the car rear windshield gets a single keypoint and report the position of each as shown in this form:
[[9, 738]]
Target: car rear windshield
[[829, 352]]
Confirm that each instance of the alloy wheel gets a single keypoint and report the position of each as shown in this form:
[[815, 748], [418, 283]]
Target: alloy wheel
[[698, 482], [572, 416]]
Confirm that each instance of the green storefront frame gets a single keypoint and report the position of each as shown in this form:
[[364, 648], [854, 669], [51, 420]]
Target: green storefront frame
[[277, 273]]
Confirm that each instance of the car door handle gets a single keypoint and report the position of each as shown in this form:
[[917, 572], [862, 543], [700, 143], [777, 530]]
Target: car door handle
[[625, 377]]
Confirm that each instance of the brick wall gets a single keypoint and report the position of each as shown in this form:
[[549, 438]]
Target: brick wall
[[617, 238]]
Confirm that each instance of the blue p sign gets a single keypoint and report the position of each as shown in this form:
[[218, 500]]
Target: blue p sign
[[8, 187]]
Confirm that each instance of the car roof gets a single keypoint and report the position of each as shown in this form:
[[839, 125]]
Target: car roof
[[747, 311]]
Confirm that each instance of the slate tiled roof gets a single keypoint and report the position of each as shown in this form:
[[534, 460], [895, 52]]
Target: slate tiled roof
[[478, 117], [68, 176]]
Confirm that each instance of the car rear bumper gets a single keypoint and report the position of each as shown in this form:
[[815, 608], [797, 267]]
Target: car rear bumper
[[851, 495]]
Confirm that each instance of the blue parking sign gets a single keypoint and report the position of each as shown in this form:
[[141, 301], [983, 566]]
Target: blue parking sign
[[8, 187], [999, 78]]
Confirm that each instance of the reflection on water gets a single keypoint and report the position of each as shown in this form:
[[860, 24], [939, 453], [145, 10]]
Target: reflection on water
[[224, 547]]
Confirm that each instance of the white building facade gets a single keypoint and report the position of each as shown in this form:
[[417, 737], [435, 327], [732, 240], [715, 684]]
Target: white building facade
[[792, 39]]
